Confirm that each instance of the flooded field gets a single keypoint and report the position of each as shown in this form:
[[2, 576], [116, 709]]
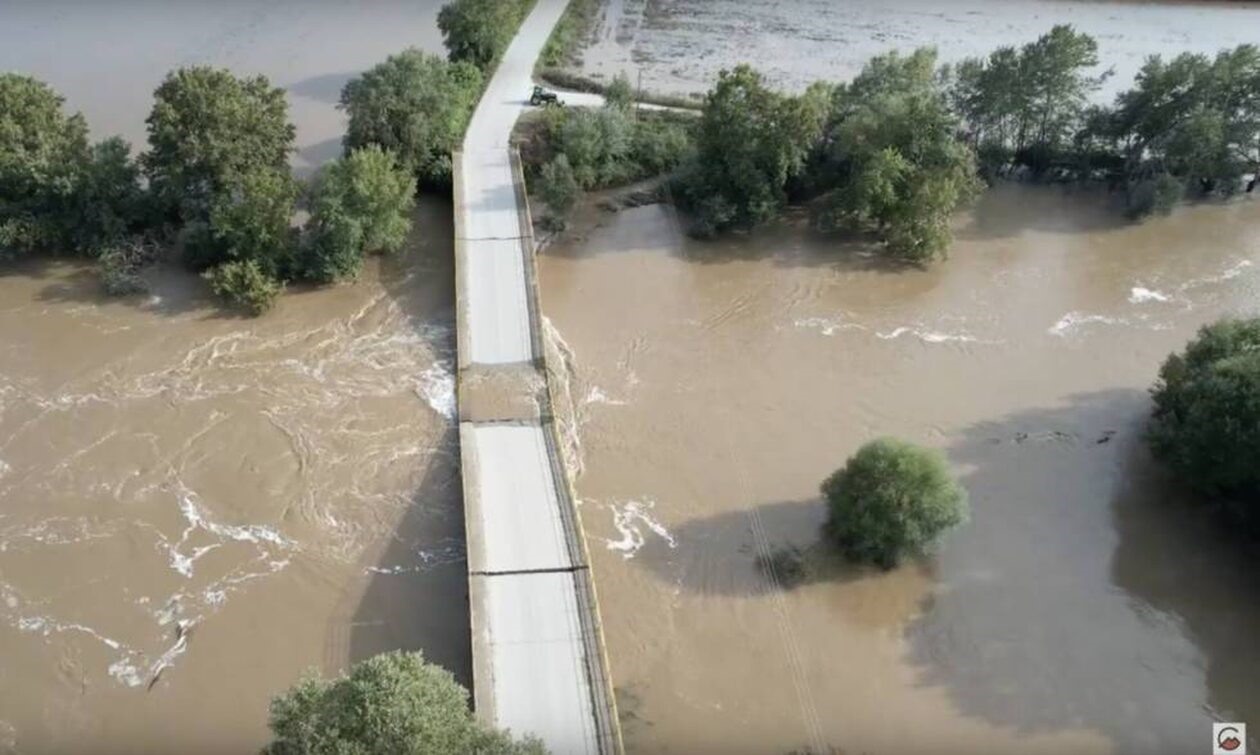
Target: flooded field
[[107, 58], [678, 46], [195, 508], [712, 386]]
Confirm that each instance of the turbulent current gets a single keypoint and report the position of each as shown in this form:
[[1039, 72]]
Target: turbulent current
[[196, 508]]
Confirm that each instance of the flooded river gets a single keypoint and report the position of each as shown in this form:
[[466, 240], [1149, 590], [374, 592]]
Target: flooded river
[[678, 46], [1085, 609], [195, 508]]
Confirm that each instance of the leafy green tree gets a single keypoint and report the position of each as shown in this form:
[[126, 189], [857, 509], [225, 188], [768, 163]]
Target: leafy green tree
[[416, 106], [42, 157], [619, 93], [246, 284], [892, 162], [250, 219], [597, 144], [749, 142], [109, 203], [891, 499], [1027, 104], [209, 128], [1206, 421], [395, 704], [360, 204], [478, 31], [1194, 118], [558, 186], [120, 261]]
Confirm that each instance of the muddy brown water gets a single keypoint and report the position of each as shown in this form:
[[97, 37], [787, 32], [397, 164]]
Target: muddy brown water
[[712, 385], [678, 46], [195, 508]]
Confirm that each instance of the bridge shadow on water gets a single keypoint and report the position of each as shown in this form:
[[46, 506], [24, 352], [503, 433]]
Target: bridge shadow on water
[[414, 595]]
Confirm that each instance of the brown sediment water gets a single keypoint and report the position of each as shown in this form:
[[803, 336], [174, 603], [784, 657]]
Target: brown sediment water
[[678, 46], [1086, 608], [198, 508]]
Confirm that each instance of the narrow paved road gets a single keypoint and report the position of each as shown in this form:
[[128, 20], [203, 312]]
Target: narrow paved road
[[538, 665]]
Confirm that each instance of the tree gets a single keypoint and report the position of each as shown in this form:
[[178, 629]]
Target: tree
[[619, 93], [558, 187], [1157, 195], [597, 144], [109, 203], [750, 141], [246, 284], [360, 204], [249, 219], [891, 499], [42, 158], [1206, 420], [208, 129], [891, 160], [416, 106], [478, 31], [1026, 104], [393, 703]]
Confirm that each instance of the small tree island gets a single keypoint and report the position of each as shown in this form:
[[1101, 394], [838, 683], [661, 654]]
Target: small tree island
[[890, 500]]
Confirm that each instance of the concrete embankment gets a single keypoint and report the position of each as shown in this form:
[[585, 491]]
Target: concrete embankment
[[539, 664]]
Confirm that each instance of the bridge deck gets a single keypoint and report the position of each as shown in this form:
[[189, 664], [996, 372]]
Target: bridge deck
[[538, 657]]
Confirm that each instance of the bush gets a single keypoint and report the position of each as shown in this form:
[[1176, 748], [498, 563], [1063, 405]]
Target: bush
[[42, 157], [558, 187], [1153, 196], [619, 93], [478, 31], [1206, 420], [207, 130], [119, 265], [416, 106], [246, 284], [392, 703], [360, 204], [891, 499]]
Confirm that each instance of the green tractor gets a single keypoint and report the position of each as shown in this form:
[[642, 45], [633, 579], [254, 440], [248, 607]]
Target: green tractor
[[543, 97]]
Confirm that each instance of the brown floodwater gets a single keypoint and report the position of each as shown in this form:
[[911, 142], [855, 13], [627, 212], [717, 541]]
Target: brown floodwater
[[711, 386], [197, 508], [678, 46]]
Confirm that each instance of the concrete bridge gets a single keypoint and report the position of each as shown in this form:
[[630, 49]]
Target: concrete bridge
[[539, 665]]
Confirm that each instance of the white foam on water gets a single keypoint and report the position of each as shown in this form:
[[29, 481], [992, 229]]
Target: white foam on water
[[1141, 295], [1073, 320], [928, 336], [437, 386], [126, 672], [631, 519], [826, 326], [597, 396]]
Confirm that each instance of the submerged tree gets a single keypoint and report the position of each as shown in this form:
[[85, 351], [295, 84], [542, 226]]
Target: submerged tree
[[1026, 104], [414, 105], [392, 703], [891, 499], [1206, 421], [42, 156], [891, 161], [478, 31], [750, 141], [207, 130], [360, 204]]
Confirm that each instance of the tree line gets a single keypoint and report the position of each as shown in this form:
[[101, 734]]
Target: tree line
[[215, 182], [898, 149]]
